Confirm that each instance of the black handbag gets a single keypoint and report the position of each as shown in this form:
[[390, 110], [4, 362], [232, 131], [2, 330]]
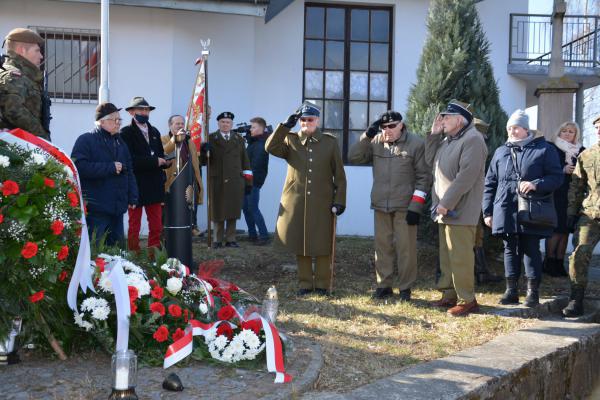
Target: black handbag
[[536, 211]]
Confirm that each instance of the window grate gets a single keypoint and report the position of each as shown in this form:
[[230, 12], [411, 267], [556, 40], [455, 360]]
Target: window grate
[[71, 63]]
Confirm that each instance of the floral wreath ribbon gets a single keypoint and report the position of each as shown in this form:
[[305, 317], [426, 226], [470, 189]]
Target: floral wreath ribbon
[[82, 275]]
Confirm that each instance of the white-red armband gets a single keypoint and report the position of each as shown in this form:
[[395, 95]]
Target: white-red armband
[[247, 174], [419, 197]]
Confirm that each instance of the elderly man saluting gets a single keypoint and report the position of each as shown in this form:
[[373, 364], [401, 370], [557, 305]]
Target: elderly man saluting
[[458, 162], [106, 172], [315, 185]]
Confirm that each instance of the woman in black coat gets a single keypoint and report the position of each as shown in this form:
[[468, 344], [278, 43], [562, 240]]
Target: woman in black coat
[[568, 147], [531, 158]]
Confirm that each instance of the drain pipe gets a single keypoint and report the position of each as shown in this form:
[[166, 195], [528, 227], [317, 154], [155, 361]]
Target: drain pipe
[[104, 92]]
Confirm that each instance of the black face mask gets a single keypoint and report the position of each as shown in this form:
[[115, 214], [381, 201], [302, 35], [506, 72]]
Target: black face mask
[[142, 119]]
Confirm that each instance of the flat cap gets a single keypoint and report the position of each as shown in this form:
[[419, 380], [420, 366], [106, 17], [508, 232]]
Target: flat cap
[[225, 114], [597, 119], [24, 35], [390, 116], [105, 109]]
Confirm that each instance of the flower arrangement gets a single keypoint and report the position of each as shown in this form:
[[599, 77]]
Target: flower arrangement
[[39, 225]]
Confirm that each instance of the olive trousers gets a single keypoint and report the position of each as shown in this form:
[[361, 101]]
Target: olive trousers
[[322, 272], [579, 261], [457, 262], [228, 227]]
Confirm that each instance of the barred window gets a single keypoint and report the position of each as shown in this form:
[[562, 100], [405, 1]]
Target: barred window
[[71, 63]]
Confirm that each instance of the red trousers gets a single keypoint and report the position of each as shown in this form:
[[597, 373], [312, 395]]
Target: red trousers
[[154, 216]]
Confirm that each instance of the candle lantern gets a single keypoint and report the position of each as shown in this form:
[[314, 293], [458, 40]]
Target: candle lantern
[[8, 353], [124, 372], [270, 304]]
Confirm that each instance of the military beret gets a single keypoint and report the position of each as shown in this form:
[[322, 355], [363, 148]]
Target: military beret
[[309, 110], [225, 114], [597, 119], [24, 35], [390, 116], [456, 107], [105, 109], [139, 102]]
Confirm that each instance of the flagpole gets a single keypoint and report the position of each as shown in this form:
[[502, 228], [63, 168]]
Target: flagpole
[[205, 53]]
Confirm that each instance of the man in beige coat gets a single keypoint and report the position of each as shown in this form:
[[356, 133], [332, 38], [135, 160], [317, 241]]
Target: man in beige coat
[[401, 181], [315, 186], [458, 162]]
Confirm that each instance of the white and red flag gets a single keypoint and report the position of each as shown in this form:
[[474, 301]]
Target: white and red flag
[[194, 120]]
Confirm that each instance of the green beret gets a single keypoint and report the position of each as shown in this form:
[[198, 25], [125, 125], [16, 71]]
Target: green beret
[[24, 35]]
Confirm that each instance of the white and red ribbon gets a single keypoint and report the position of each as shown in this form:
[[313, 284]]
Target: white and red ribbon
[[419, 196]]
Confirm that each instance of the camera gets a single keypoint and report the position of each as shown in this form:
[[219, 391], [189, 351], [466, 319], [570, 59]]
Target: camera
[[243, 128]]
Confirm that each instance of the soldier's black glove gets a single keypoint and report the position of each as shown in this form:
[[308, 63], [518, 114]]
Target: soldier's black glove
[[292, 120], [412, 218], [206, 146], [247, 190], [339, 209], [572, 223], [373, 128]]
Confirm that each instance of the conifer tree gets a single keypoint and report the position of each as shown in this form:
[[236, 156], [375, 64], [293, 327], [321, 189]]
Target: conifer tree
[[455, 65]]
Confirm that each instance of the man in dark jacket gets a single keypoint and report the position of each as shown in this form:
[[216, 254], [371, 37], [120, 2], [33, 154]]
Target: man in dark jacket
[[104, 165], [149, 162], [259, 160]]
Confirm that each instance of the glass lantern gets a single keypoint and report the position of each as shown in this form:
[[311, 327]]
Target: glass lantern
[[124, 373]]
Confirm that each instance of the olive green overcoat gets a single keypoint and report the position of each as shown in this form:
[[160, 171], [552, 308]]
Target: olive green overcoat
[[315, 180]]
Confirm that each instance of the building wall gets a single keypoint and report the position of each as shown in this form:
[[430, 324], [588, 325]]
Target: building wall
[[254, 69]]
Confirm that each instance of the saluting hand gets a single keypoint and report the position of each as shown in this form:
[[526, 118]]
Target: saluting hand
[[373, 128], [437, 127], [292, 120]]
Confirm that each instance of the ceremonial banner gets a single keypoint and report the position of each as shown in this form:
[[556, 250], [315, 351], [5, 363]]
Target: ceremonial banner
[[194, 120]]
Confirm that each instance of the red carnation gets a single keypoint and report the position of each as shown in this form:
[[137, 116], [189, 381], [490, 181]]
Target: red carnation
[[254, 325], [178, 334], [132, 307], [63, 253], [223, 294], [100, 263], [1, 218], [226, 313], [63, 275], [175, 310], [29, 250], [157, 292], [57, 227], [158, 308], [161, 334], [49, 182], [225, 329], [185, 315], [73, 199], [133, 293], [34, 298], [213, 282], [10, 187], [152, 282], [233, 288]]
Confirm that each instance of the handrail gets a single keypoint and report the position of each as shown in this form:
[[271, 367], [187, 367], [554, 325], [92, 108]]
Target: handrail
[[539, 58]]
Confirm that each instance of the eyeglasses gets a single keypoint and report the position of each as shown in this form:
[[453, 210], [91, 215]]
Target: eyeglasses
[[307, 119], [389, 126]]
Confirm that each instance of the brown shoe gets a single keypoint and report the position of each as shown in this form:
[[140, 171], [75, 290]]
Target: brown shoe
[[464, 309], [445, 303]]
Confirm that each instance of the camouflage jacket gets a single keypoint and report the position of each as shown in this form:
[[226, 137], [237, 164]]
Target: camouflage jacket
[[584, 192], [21, 96]]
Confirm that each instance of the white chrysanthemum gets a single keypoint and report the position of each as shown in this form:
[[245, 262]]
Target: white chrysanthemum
[[81, 323], [174, 285], [203, 308], [4, 161], [104, 283], [210, 335], [101, 312], [37, 159], [140, 282], [131, 267], [250, 338], [165, 267], [221, 341]]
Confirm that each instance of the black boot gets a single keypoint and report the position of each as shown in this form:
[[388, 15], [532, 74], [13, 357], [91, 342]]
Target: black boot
[[511, 295], [548, 267], [575, 307], [533, 295], [559, 267], [482, 273]]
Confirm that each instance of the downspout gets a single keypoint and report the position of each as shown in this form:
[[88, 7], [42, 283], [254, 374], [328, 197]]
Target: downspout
[[104, 91]]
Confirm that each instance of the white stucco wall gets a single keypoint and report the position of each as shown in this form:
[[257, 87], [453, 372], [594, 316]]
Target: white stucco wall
[[254, 69]]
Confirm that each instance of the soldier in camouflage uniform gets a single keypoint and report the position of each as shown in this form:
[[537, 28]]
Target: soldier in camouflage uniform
[[584, 203], [21, 84]]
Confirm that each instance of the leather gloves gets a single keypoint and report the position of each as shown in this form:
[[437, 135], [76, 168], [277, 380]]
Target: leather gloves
[[292, 120], [339, 209], [373, 128], [412, 218], [572, 223]]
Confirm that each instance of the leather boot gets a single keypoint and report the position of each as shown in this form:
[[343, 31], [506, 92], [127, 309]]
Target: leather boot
[[511, 295], [482, 273], [575, 307], [559, 267], [533, 295], [547, 266]]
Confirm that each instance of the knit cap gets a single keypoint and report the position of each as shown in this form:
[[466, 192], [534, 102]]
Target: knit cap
[[519, 118]]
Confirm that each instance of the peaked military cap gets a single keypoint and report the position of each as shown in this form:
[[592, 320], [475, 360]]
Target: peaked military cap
[[597, 119], [309, 110], [139, 102], [24, 35], [390, 116], [456, 107], [105, 109], [225, 114]]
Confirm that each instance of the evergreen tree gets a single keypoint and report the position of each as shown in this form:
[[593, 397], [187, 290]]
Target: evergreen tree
[[455, 65]]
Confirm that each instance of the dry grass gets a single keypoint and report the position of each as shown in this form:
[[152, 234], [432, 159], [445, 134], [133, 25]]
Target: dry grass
[[363, 340]]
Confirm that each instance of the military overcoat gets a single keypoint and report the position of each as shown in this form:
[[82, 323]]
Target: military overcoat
[[228, 160], [584, 192], [315, 180], [21, 95]]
